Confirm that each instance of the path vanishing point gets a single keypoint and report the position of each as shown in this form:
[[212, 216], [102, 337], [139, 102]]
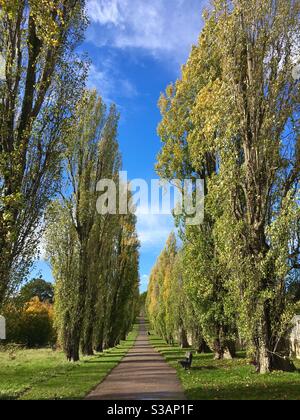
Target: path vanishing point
[[143, 374]]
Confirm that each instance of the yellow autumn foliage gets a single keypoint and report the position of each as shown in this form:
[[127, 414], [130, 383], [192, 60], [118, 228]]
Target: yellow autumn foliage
[[30, 325]]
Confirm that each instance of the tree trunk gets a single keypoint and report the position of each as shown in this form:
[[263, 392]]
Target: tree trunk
[[263, 342], [202, 347], [72, 350], [199, 343], [230, 350], [267, 357], [267, 361], [263, 361], [87, 345], [3, 288], [100, 339], [99, 348], [183, 339], [76, 329], [218, 350], [111, 342], [88, 328], [5, 268]]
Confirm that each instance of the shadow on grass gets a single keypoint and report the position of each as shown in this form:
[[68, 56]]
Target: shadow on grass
[[98, 362], [40, 377], [228, 379], [203, 368], [157, 339], [284, 391]]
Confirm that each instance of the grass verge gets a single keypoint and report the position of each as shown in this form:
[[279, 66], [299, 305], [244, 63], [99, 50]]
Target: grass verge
[[230, 379], [46, 375]]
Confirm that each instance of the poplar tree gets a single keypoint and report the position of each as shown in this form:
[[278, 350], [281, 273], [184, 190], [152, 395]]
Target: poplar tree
[[233, 119], [166, 298], [254, 108], [43, 78], [185, 155], [96, 289]]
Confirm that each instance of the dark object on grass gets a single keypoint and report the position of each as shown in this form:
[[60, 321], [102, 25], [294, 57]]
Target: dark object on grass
[[280, 363], [149, 333], [187, 363]]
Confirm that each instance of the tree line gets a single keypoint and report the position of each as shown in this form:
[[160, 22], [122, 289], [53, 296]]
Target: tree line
[[57, 140], [94, 257], [233, 121]]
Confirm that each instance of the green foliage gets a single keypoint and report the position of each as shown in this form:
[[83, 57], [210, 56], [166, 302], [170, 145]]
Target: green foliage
[[166, 299], [233, 120], [43, 79], [94, 256], [37, 288], [30, 325], [142, 303], [205, 283]]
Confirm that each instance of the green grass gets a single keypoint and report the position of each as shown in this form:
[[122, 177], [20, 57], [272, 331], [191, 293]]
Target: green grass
[[46, 375], [230, 379]]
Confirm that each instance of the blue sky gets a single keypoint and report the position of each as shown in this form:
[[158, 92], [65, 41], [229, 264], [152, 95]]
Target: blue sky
[[137, 48]]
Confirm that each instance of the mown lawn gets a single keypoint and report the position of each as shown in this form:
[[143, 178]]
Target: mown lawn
[[229, 380], [45, 374]]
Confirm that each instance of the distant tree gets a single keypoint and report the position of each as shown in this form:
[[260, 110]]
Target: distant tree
[[37, 288], [124, 283], [166, 299], [142, 303]]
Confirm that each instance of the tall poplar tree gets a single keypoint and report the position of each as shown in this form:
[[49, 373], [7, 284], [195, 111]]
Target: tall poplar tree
[[97, 281], [238, 103], [42, 80], [185, 155]]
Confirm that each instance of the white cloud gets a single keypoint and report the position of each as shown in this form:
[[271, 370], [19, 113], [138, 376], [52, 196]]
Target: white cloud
[[100, 80], [144, 282], [153, 230], [159, 26], [104, 11], [110, 84]]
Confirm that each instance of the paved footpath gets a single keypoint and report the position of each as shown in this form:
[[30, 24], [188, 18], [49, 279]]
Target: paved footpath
[[142, 375]]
